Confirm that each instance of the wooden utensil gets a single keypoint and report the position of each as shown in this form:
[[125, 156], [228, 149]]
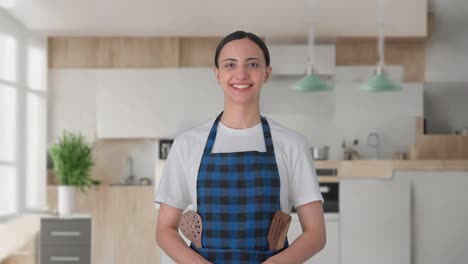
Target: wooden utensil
[[190, 225], [278, 230]]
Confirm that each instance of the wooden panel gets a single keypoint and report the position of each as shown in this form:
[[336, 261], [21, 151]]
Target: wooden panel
[[363, 51], [137, 52], [327, 164], [419, 126], [124, 220], [433, 165], [198, 52], [72, 52], [440, 147], [113, 52], [366, 169]]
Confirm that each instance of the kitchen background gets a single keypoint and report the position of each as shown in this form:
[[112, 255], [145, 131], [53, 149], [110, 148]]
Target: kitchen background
[[103, 104], [126, 93]]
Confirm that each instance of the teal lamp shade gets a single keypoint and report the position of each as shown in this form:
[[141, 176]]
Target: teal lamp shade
[[381, 83], [311, 83]]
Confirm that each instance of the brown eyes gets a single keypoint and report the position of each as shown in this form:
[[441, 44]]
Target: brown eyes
[[233, 65]]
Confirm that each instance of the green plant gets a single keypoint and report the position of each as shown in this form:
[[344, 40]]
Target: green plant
[[73, 159]]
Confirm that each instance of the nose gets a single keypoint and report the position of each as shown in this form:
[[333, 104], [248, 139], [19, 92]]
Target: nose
[[242, 72]]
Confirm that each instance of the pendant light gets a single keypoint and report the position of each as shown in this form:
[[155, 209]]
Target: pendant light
[[380, 82], [311, 82]]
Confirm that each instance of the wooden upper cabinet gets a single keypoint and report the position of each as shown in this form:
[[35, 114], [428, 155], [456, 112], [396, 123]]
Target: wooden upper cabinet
[[198, 52], [71, 52], [113, 52], [410, 53], [171, 52], [137, 52], [131, 52]]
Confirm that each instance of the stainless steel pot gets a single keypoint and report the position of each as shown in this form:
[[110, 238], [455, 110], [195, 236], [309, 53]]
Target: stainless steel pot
[[319, 153]]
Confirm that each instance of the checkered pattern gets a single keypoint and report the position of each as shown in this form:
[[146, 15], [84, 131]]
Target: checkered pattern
[[238, 256], [237, 195]]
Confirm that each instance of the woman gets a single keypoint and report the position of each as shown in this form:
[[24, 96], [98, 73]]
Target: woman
[[237, 170]]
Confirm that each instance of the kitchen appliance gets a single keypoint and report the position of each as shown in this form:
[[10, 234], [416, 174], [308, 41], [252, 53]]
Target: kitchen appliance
[[330, 196], [320, 153]]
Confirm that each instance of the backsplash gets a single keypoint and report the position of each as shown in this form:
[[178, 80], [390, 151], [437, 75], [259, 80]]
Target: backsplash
[[111, 159]]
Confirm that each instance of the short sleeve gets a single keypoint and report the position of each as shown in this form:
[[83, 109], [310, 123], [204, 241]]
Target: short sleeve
[[304, 187], [173, 189]]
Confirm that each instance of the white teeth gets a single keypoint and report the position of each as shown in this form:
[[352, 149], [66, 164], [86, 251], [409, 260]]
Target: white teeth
[[241, 86]]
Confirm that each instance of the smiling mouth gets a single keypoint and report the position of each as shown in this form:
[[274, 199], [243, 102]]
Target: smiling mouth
[[241, 86]]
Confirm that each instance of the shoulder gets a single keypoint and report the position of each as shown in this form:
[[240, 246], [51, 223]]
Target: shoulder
[[194, 137], [286, 138]]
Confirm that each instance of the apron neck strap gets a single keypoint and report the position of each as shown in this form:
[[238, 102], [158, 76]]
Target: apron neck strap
[[214, 129]]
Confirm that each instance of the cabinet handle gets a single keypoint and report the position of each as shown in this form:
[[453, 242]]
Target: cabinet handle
[[65, 233], [60, 258]]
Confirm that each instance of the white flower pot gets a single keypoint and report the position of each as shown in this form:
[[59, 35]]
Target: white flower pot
[[66, 199]]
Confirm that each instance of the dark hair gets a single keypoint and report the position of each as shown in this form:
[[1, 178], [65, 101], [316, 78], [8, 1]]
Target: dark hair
[[241, 35]]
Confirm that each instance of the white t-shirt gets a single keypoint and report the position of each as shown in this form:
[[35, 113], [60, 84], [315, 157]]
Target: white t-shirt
[[299, 185]]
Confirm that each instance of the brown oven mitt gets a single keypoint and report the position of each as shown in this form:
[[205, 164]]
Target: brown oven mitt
[[278, 230], [191, 226]]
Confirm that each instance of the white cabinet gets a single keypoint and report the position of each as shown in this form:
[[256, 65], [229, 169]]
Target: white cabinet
[[375, 221], [155, 102], [331, 253]]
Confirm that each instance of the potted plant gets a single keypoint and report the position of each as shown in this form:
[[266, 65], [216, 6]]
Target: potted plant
[[72, 158]]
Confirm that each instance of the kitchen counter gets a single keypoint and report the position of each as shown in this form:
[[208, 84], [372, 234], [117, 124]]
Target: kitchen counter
[[385, 168]]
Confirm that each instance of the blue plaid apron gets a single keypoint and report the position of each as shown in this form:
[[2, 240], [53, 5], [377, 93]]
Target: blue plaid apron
[[237, 196]]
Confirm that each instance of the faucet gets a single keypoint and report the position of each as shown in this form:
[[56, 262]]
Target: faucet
[[373, 142], [130, 179]]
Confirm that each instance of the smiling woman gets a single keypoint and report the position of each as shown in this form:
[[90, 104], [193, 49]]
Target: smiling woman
[[238, 171]]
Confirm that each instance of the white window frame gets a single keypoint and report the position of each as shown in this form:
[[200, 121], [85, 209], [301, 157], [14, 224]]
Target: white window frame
[[25, 41]]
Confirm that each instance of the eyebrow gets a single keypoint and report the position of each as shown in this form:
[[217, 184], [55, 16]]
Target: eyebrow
[[248, 59]]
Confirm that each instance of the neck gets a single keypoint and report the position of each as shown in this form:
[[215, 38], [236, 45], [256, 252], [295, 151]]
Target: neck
[[240, 116]]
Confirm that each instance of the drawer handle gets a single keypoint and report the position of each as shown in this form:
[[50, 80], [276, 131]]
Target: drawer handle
[[60, 258], [65, 233]]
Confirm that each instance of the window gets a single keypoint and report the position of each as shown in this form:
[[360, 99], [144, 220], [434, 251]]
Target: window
[[23, 94]]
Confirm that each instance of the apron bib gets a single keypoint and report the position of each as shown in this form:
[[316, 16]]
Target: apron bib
[[237, 196]]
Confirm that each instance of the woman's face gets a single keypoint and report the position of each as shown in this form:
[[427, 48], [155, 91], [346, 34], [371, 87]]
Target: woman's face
[[242, 71]]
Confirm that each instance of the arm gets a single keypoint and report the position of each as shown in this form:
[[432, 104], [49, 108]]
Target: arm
[[168, 238], [312, 239]]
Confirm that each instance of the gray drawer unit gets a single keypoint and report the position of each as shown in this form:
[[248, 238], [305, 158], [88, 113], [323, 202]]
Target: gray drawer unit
[[65, 240], [66, 232], [65, 255]]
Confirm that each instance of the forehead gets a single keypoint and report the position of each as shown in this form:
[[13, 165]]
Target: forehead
[[241, 48]]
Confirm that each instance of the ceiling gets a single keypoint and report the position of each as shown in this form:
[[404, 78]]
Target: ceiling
[[331, 18]]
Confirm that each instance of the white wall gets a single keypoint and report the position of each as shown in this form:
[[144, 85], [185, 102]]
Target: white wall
[[446, 52]]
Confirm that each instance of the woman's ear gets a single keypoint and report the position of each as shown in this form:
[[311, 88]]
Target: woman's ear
[[267, 74]]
